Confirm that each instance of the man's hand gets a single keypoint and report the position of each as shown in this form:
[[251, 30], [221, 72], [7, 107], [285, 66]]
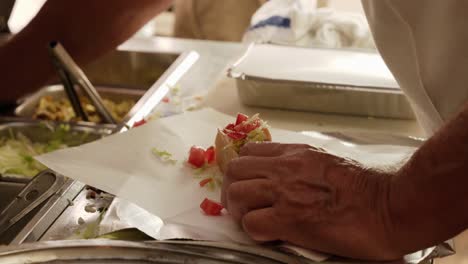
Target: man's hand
[[305, 196]]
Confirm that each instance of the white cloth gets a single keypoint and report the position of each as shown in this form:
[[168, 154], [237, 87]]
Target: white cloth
[[300, 23], [424, 44]]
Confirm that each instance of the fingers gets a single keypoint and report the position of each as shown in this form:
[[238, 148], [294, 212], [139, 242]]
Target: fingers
[[269, 149], [245, 196], [245, 168], [263, 225]]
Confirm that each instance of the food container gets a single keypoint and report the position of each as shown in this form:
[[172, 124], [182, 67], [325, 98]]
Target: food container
[[12, 184], [44, 132], [130, 69], [320, 80], [20, 207], [58, 206], [28, 107]]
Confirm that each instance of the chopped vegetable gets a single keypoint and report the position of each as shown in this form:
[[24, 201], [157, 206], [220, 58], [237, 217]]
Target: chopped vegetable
[[205, 181], [139, 123], [196, 157], [229, 127], [128, 234], [243, 126], [60, 109], [92, 229], [163, 155], [210, 155], [245, 130], [199, 157], [237, 135], [17, 152], [175, 90], [241, 118], [211, 207], [166, 100]]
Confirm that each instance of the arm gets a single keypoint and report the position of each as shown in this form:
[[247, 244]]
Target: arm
[[86, 28], [307, 197], [429, 195]]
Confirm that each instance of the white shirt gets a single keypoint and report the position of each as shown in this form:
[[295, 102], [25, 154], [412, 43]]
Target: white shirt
[[424, 43]]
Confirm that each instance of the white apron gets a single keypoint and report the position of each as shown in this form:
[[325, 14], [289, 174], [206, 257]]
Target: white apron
[[424, 43]]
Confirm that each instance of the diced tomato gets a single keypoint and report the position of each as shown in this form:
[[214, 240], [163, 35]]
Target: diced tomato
[[139, 123], [210, 155], [237, 135], [205, 182], [241, 118], [211, 207], [246, 128], [197, 157], [230, 127], [166, 100]]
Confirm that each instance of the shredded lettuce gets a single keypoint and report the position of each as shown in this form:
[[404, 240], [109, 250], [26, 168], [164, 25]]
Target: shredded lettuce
[[92, 229], [175, 90], [17, 152], [256, 135], [163, 155], [209, 172]]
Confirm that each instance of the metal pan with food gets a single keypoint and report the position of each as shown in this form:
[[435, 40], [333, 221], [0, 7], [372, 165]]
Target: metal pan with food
[[21, 140], [51, 103]]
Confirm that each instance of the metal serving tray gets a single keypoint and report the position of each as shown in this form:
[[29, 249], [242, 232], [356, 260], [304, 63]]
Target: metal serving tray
[[28, 107], [129, 69], [42, 131], [107, 251], [11, 185], [320, 80], [73, 194]]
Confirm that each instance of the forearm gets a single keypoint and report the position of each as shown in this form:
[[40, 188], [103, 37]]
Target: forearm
[[429, 195], [87, 29]]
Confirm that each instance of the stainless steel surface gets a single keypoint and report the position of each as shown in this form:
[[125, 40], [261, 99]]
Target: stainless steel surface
[[48, 214], [129, 69], [366, 138], [334, 85], [106, 251], [68, 85], [158, 90], [41, 132], [147, 99], [8, 191], [72, 73], [28, 106], [68, 225], [325, 98], [37, 191], [68, 220]]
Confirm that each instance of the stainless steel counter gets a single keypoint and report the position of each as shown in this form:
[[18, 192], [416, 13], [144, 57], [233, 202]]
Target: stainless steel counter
[[215, 57]]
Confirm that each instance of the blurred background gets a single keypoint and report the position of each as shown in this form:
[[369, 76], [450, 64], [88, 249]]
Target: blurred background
[[166, 24]]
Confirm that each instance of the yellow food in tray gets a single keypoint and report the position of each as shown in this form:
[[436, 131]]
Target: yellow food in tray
[[54, 109]]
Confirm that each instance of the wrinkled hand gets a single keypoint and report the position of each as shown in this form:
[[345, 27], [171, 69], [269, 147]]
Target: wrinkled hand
[[305, 196]]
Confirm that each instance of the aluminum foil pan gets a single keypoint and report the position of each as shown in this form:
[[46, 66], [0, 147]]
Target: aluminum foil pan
[[319, 80]]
